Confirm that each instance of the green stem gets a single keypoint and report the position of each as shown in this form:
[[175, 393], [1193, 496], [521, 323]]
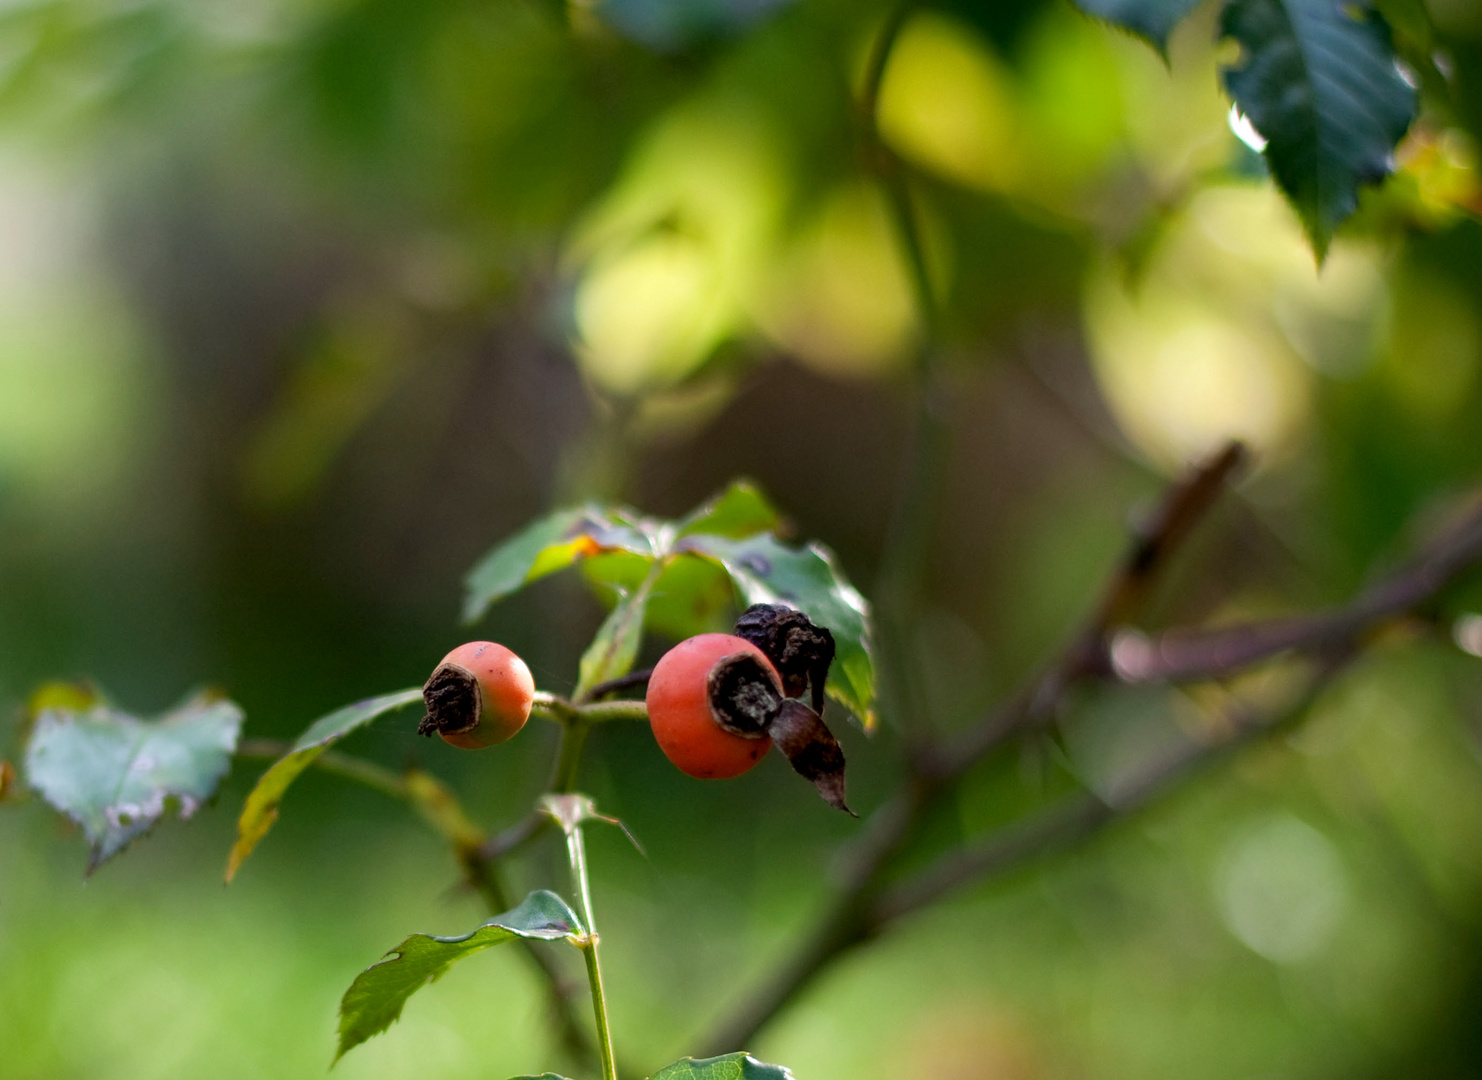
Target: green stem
[[602, 711], [578, 853], [377, 777], [568, 758], [904, 561], [599, 1010], [576, 721], [562, 711]]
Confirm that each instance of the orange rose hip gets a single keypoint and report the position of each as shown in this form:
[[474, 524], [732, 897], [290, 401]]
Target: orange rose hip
[[680, 710], [479, 695]]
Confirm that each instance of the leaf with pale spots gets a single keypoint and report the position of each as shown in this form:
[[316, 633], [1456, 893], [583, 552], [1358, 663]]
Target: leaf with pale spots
[[117, 775]]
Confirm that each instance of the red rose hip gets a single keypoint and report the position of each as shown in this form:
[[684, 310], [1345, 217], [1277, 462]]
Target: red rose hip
[[478, 696], [687, 681]]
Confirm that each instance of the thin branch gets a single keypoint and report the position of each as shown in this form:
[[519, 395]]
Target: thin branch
[[907, 547], [622, 682], [1152, 545], [1181, 509], [1193, 655], [514, 837], [1079, 817], [557, 708], [377, 777], [874, 78], [936, 770], [863, 905], [840, 927]]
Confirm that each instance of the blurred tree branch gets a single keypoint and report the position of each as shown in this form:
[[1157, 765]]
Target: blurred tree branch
[[866, 903], [908, 540]]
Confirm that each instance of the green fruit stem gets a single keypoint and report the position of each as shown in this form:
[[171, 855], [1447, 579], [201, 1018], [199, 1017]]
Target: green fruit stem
[[577, 851]]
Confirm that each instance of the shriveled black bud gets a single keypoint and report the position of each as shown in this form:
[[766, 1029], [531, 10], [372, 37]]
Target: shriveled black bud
[[799, 648], [815, 754], [452, 699], [744, 695]]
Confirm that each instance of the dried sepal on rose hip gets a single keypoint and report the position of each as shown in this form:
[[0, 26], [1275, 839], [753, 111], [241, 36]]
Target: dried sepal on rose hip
[[717, 704], [799, 648], [479, 695]]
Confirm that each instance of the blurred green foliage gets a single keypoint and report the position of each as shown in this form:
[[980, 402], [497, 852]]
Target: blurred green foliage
[[303, 305]]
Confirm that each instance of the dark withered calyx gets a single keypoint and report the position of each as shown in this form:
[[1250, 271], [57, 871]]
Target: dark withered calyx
[[810, 746], [452, 699], [746, 700], [799, 648], [744, 695]]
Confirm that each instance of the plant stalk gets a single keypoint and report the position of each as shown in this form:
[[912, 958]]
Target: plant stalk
[[568, 758], [579, 879]]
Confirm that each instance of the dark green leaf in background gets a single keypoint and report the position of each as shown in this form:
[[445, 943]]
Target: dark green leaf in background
[[261, 808], [1317, 79], [375, 999], [766, 571], [116, 775], [1152, 20], [671, 25], [725, 1067]]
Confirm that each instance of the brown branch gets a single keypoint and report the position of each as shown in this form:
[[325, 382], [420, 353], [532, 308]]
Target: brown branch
[[1080, 817], [1192, 655], [1152, 546], [1161, 534], [850, 919], [863, 905], [514, 837], [622, 682]]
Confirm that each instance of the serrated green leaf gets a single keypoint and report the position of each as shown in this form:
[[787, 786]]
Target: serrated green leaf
[[1151, 20], [1318, 80], [553, 543], [116, 775], [725, 1067], [765, 571], [615, 646], [261, 808], [741, 510], [375, 999]]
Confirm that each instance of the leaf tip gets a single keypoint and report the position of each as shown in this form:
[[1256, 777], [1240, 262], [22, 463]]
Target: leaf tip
[[249, 832]]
